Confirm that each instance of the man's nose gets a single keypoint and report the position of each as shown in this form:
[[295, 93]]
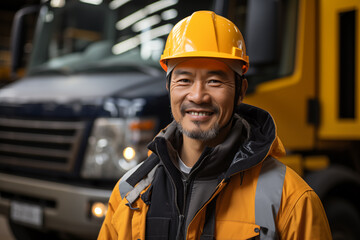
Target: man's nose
[[198, 93]]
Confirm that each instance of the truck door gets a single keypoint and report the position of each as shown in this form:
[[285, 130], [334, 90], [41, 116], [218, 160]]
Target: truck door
[[339, 65]]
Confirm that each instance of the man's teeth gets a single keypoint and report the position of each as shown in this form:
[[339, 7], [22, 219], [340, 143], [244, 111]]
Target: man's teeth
[[200, 113]]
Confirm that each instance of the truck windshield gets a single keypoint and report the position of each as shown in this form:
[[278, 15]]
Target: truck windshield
[[95, 35], [104, 36]]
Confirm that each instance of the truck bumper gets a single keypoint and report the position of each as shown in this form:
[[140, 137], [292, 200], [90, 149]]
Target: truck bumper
[[70, 211]]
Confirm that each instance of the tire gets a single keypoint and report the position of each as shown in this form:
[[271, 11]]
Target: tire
[[21, 232], [344, 218]]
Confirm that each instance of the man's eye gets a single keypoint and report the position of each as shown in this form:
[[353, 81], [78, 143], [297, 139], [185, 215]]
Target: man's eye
[[214, 82], [183, 80]]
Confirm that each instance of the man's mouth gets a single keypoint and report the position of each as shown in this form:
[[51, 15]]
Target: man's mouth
[[201, 111], [195, 113]]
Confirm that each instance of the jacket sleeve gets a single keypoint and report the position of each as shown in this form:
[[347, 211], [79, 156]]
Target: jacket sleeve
[[107, 230], [306, 219]]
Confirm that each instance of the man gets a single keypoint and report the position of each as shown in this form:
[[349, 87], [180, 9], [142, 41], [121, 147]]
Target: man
[[213, 172]]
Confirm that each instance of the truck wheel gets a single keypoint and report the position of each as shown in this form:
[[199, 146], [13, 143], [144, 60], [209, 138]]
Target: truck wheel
[[344, 219], [21, 232]]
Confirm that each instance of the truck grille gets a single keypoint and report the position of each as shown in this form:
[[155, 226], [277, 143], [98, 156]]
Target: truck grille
[[47, 145]]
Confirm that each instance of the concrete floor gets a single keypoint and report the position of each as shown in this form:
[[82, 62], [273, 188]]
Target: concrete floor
[[5, 233]]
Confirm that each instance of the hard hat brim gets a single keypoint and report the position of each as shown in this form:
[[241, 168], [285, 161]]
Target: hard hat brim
[[198, 54]]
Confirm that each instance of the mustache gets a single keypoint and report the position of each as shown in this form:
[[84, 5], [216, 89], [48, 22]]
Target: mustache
[[202, 106]]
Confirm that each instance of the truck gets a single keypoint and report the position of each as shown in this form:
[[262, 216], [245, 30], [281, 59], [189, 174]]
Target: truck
[[94, 95]]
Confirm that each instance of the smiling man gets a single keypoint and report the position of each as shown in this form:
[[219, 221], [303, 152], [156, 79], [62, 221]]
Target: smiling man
[[202, 94], [213, 172]]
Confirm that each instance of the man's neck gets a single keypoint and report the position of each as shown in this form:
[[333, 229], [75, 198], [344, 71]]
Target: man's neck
[[192, 149]]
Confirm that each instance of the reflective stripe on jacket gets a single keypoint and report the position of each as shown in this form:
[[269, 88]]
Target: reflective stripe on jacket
[[257, 198]]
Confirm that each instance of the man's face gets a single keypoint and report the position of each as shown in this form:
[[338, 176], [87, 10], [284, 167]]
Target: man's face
[[202, 92]]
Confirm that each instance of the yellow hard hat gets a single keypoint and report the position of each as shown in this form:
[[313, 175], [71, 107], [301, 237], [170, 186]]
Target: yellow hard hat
[[205, 34]]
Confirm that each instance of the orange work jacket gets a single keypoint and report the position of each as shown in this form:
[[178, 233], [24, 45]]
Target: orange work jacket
[[259, 198]]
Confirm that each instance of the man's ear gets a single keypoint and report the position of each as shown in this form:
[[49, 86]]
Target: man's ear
[[168, 79], [244, 86]]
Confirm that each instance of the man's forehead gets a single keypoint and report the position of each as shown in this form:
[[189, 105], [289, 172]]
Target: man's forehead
[[220, 73], [211, 66]]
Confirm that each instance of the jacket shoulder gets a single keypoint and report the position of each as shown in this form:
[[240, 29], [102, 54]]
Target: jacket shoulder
[[294, 188], [301, 213], [294, 184]]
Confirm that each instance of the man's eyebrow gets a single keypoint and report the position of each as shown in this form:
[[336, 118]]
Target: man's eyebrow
[[219, 73], [181, 72]]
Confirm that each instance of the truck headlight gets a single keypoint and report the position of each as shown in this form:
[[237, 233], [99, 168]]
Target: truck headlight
[[116, 145]]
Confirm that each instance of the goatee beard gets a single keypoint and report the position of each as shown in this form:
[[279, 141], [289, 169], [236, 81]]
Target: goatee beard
[[200, 134]]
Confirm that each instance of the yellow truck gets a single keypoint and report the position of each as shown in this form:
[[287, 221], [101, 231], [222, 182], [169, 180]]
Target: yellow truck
[[317, 106], [94, 95]]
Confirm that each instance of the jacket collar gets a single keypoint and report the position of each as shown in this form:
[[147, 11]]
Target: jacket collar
[[261, 141]]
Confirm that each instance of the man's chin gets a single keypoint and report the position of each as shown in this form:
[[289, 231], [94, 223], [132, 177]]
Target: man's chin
[[199, 134]]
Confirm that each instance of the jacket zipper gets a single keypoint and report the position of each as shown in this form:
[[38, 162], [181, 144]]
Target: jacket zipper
[[182, 228], [181, 215]]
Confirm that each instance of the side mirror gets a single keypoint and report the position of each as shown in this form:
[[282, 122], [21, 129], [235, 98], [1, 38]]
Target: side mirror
[[18, 37], [262, 31]]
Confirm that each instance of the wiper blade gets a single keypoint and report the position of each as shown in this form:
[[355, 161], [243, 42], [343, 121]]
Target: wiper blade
[[120, 67]]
